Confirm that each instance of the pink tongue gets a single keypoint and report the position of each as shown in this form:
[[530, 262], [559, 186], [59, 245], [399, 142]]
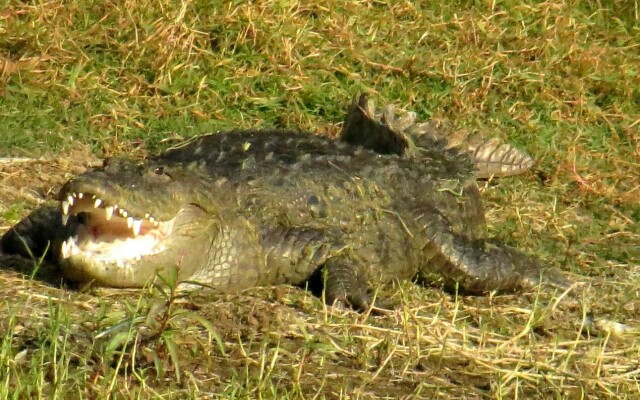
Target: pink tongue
[[111, 230]]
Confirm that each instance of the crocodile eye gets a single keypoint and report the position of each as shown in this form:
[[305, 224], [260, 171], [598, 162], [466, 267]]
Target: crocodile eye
[[159, 171]]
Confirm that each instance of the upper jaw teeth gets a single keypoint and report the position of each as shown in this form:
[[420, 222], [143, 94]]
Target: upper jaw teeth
[[65, 207], [73, 205], [137, 224]]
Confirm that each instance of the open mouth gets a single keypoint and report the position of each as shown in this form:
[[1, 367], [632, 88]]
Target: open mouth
[[107, 233]]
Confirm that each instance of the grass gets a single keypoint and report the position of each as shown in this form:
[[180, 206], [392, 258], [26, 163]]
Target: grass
[[84, 79]]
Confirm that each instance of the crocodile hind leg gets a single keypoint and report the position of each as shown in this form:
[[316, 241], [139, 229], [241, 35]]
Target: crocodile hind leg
[[477, 266]]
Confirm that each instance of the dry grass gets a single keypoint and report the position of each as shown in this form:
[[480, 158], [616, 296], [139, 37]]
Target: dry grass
[[560, 79]]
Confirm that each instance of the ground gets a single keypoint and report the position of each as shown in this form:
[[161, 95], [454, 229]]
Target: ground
[[84, 80]]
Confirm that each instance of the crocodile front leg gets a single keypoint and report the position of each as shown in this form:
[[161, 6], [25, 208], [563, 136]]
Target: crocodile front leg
[[477, 266], [301, 255], [345, 283]]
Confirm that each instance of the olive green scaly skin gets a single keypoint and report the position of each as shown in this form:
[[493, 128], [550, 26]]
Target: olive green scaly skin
[[271, 207]]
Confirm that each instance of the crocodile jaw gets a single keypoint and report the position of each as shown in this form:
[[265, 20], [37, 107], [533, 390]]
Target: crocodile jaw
[[109, 243], [107, 239]]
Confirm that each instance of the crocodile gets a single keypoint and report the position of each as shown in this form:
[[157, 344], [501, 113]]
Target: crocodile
[[389, 199]]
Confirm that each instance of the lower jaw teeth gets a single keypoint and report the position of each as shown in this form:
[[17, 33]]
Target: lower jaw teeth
[[67, 248], [71, 248]]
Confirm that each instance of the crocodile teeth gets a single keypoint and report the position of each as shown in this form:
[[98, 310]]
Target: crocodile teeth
[[65, 207], [65, 250], [72, 204], [137, 224], [68, 248]]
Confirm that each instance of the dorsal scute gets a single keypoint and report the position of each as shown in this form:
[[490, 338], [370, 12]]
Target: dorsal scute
[[405, 136]]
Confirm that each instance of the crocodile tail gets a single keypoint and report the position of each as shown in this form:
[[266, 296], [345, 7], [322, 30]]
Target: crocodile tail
[[363, 128], [403, 134], [30, 246], [36, 235], [491, 157]]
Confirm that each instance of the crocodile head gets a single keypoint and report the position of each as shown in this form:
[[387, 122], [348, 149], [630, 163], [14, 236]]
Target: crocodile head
[[130, 220]]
